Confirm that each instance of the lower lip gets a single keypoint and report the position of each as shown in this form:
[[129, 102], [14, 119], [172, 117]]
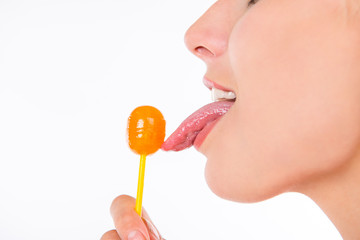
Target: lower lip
[[200, 138]]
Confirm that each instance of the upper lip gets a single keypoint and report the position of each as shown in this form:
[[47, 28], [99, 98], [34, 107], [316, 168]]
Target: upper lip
[[211, 84]]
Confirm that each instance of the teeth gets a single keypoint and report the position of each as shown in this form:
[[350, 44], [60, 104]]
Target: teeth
[[220, 95]]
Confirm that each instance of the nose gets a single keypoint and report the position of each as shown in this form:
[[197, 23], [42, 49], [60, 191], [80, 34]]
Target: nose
[[207, 38]]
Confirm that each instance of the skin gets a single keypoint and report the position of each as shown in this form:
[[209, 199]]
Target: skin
[[295, 125]]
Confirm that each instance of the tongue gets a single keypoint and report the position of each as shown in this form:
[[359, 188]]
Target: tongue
[[185, 135]]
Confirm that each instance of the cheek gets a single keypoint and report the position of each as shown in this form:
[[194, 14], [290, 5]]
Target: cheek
[[297, 112]]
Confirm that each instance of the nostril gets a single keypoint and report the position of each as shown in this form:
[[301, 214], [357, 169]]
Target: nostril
[[202, 51]]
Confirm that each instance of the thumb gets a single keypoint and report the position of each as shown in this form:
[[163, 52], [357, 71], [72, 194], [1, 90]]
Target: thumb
[[127, 222]]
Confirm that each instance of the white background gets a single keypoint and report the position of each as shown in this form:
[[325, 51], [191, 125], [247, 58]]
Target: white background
[[71, 71]]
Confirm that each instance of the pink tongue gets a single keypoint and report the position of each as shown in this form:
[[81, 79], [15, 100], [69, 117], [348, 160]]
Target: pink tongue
[[184, 136]]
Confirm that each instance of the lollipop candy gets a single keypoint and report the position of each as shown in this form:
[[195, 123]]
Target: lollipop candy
[[146, 133]]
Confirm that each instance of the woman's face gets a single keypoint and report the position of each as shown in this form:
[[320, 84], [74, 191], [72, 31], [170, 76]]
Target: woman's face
[[295, 69]]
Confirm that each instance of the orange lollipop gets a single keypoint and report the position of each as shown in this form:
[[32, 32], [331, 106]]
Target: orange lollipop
[[146, 133], [146, 130]]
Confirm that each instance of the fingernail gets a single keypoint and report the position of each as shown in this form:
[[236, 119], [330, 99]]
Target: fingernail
[[154, 233], [136, 235]]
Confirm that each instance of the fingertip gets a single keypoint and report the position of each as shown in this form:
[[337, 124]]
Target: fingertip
[[121, 202]]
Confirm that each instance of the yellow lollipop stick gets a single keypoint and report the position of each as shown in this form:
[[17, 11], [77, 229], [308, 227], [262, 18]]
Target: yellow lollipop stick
[[140, 189]]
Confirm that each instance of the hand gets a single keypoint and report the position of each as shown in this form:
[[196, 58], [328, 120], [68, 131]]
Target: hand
[[128, 224]]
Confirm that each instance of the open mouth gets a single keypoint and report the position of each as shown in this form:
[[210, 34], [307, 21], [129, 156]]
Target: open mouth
[[194, 129]]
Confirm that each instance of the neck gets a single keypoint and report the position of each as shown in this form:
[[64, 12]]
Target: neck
[[338, 195]]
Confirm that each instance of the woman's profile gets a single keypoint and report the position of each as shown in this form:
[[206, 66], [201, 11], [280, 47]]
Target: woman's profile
[[289, 72]]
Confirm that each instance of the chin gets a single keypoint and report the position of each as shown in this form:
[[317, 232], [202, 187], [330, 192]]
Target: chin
[[244, 190]]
